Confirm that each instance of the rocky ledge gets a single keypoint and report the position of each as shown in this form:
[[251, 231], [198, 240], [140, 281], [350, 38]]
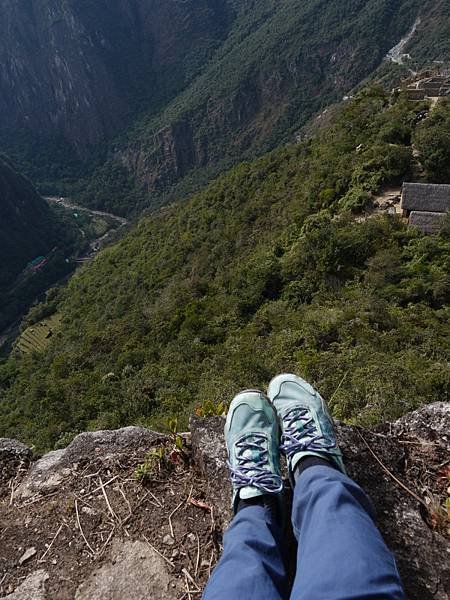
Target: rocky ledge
[[127, 513]]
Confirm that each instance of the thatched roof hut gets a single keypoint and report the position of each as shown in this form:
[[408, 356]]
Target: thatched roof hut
[[428, 197], [427, 222]]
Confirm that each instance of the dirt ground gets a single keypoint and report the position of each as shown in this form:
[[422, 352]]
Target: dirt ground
[[70, 530]]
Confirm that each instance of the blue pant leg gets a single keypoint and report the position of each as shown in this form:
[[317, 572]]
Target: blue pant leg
[[341, 554], [251, 566]]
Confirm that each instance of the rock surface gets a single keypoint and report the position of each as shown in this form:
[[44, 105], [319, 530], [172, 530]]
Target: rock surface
[[408, 448], [76, 70], [134, 571], [33, 588], [208, 446], [48, 472], [99, 532]]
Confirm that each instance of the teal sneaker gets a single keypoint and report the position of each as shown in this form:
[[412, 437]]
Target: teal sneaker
[[306, 425], [252, 437]]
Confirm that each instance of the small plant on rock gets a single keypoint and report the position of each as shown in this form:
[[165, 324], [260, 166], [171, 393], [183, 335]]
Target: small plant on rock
[[154, 462], [177, 453], [211, 409]]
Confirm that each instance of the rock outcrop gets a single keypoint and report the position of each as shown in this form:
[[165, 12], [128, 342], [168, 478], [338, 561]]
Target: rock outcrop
[[123, 513], [413, 451], [134, 570], [48, 472]]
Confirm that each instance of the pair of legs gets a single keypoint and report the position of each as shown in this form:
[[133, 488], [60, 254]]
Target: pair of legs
[[341, 554]]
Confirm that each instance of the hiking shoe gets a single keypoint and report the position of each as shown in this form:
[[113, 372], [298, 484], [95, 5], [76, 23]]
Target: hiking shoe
[[306, 425], [252, 436]]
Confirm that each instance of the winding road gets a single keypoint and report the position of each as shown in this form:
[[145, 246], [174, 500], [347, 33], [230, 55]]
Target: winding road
[[66, 202]]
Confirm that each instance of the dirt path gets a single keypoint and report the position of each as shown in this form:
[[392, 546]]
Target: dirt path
[[396, 54]]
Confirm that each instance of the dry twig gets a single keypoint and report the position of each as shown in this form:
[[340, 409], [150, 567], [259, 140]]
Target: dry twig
[[210, 563], [51, 543], [213, 522], [172, 514], [105, 495], [100, 554], [186, 583], [191, 579], [81, 529], [103, 485], [197, 562], [158, 502], [338, 387], [37, 498], [158, 552], [400, 483], [199, 504]]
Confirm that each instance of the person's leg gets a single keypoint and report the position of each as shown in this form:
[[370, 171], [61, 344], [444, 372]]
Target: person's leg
[[341, 554], [251, 565]]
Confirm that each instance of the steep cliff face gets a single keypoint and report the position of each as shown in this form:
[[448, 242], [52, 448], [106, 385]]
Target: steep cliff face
[[27, 227], [193, 86], [77, 70], [274, 71]]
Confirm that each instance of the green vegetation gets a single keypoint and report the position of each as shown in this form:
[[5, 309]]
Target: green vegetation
[[432, 140], [203, 87], [166, 457], [266, 270], [28, 229], [154, 462], [211, 409], [134, 64]]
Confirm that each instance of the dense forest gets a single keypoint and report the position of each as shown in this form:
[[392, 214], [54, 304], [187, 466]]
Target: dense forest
[[280, 64], [277, 265], [29, 229]]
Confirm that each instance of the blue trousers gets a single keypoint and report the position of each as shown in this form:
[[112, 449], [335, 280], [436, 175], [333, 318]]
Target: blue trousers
[[341, 554]]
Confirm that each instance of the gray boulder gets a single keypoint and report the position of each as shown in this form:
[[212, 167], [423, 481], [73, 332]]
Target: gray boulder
[[47, 473], [134, 571], [32, 588]]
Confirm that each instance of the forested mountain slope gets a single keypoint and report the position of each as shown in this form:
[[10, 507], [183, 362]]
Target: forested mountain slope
[[27, 226], [265, 81], [29, 231], [265, 270], [281, 63], [193, 86]]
